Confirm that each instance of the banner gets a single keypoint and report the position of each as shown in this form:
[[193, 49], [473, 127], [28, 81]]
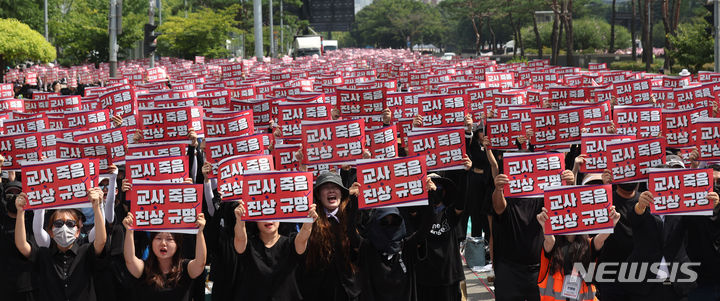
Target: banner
[[68, 149], [529, 174], [680, 191], [168, 124], [284, 157], [92, 120], [239, 125], [165, 207], [172, 169], [57, 183], [392, 182], [277, 196], [167, 149], [443, 110], [17, 147], [629, 161], [707, 137], [443, 148], [382, 142], [354, 102], [503, 132], [593, 146], [337, 142], [291, 114], [230, 171], [552, 127], [123, 103], [26, 125], [217, 149], [641, 121], [633, 92], [578, 209]]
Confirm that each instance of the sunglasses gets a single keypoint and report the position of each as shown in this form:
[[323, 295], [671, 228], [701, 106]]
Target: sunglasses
[[59, 223]]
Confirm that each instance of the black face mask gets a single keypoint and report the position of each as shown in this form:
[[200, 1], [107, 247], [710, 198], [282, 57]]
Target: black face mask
[[436, 196], [628, 186], [10, 203]]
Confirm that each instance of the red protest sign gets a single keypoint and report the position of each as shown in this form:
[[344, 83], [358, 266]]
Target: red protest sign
[[217, 149], [284, 157], [681, 191], [11, 104], [123, 103], [17, 147], [214, 99], [167, 149], [291, 114], [556, 126], [93, 120], [240, 124], [633, 92], [64, 103], [443, 110], [337, 142], [641, 121], [382, 142], [354, 102], [678, 126], [530, 173], [443, 148], [25, 125], [392, 182], [230, 171], [503, 132], [692, 97], [593, 146], [707, 136], [578, 209], [171, 169], [114, 139], [630, 160], [283, 196], [56, 183], [168, 124], [68, 149], [165, 207]]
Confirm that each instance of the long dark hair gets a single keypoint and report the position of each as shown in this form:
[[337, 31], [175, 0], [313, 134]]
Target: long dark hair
[[152, 274], [577, 251], [324, 237]]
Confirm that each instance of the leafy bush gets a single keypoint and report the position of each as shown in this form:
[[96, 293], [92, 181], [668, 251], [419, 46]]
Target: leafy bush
[[694, 47], [637, 65]]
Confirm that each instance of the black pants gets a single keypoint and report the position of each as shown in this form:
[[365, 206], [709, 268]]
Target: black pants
[[516, 281], [439, 293]]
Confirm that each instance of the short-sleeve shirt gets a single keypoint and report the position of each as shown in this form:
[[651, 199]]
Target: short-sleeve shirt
[[64, 276], [517, 234], [269, 273], [179, 292]]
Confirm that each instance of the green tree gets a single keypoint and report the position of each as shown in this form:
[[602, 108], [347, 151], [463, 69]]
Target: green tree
[[19, 43], [693, 47], [393, 23], [203, 32]]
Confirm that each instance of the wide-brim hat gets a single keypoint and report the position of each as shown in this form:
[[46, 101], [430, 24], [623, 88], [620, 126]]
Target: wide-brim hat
[[329, 177]]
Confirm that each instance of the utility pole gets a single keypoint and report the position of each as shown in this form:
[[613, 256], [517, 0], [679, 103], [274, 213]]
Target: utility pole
[[282, 30], [257, 21], [151, 21], [46, 23], [272, 33], [159, 6], [113, 38]]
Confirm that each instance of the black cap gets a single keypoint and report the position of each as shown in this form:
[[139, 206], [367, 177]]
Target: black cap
[[329, 177]]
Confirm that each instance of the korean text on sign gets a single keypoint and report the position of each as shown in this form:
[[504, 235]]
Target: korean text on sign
[[231, 169], [578, 209], [530, 173], [443, 149], [681, 191], [277, 196], [165, 207], [57, 183], [173, 169], [392, 182], [338, 142]]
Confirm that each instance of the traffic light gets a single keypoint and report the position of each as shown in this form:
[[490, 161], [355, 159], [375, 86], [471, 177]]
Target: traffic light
[[150, 43], [710, 18]]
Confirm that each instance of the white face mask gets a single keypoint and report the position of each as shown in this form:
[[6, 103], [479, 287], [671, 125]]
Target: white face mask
[[64, 236]]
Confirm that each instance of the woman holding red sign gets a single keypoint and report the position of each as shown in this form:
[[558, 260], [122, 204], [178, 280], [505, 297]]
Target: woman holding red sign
[[164, 275], [65, 270]]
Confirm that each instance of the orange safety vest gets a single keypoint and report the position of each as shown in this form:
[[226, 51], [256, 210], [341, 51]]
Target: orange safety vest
[[551, 285]]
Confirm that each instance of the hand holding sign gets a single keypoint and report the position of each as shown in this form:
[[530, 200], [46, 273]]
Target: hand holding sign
[[128, 221], [200, 221], [646, 198], [95, 195], [713, 197], [20, 202], [126, 185]]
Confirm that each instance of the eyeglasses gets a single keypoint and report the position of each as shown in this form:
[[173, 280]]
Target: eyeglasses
[[59, 223]]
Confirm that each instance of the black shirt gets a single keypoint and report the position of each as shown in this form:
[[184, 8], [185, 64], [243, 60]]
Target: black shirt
[[517, 235], [15, 270], [704, 245], [619, 245], [269, 273], [64, 276], [179, 292], [439, 260]]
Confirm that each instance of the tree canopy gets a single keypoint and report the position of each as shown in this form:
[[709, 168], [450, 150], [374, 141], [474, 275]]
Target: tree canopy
[[202, 33], [19, 43]]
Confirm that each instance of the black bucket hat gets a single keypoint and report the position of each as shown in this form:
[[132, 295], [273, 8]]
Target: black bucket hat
[[329, 177]]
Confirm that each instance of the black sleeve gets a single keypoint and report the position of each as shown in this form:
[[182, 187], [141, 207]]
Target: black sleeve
[[348, 176], [425, 224], [197, 178], [215, 231], [354, 222]]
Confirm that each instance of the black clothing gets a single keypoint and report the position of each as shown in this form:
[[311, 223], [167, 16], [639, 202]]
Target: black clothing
[[703, 245], [618, 246], [64, 276], [182, 291], [15, 270], [439, 261], [269, 273]]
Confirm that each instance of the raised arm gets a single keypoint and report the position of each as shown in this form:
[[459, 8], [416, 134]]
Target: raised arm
[[304, 235], [549, 241], [20, 238], [240, 241], [134, 265], [491, 157], [207, 189], [498, 196], [197, 265], [96, 197], [599, 240], [42, 238]]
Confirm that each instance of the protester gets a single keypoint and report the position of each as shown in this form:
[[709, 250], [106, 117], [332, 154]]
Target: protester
[[15, 272]]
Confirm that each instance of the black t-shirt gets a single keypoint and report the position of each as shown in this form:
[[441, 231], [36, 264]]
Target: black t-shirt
[[439, 260], [180, 292], [517, 235], [619, 245], [64, 276], [390, 278], [704, 245], [269, 273], [15, 270]]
